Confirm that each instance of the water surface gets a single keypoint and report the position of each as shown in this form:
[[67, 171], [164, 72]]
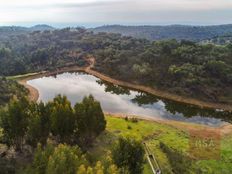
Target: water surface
[[116, 99]]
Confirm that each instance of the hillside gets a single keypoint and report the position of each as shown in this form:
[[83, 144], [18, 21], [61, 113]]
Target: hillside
[[7, 31], [219, 40], [10, 88], [179, 32], [203, 72]]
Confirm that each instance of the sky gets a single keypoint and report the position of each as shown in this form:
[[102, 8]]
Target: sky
[[91, 13]]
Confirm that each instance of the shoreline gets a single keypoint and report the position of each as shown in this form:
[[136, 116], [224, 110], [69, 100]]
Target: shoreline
[[154, 91], [224, 130], [162, 94], [186, 126], [34, 94]]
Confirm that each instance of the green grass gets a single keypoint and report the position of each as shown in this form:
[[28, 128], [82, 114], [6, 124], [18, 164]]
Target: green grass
[[21, 76], [224, 165], [150, 132], [153, 133]]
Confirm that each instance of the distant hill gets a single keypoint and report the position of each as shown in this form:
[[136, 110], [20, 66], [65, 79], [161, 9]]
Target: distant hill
[[179, 32], [41, 27], [6, 31]]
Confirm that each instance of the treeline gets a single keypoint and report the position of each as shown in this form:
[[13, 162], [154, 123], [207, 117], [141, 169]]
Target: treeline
[[178, 32], [202, 71], [25, 122], [184, 68], [10, 89], [56, 137], [42, 50]]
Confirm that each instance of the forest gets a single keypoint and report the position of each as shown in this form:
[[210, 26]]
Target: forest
[[54, 138], [178, 32], [201, 71]]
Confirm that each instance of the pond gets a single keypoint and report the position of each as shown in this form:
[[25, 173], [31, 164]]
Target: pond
[[121, 100]]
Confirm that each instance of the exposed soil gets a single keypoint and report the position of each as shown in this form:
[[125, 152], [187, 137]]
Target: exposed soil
[[225, 129]]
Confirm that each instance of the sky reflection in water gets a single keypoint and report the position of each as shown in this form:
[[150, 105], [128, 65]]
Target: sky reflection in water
[[77, 85]]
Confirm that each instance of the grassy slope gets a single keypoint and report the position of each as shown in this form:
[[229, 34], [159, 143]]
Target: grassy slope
[[153, 133]]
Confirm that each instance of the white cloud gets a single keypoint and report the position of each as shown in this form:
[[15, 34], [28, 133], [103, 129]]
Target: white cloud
[[115, 11]]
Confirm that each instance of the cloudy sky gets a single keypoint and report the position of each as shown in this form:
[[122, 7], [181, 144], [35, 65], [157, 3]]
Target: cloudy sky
[[128, 12]]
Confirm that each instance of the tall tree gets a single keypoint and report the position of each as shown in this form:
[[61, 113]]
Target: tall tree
[[14, 122], [62, 118], [90, 120], [39, 124]]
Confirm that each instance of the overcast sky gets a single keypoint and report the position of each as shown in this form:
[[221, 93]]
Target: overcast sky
[[127, 12]]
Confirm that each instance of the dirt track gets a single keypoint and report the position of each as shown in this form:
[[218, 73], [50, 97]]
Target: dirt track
[[153, 91], [34, 95]]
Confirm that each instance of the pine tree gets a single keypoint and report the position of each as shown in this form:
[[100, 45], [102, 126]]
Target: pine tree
[[62, 118], [14, 121], [39, 124], [90, 120]]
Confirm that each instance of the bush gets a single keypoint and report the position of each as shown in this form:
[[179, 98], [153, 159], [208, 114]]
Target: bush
[[128, 154], [181, 163], [134, 120]]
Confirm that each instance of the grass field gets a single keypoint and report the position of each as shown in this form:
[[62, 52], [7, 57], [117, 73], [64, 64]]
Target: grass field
[[153, 133]]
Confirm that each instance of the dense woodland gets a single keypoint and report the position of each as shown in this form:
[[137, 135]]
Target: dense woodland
[[202, 71], [55, 138], [185, 68], [178, 32]]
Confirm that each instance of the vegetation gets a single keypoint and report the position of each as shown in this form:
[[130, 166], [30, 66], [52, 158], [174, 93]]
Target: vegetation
[[179, 32], [97, 157], [90, 120], [189, 69], [220, 40], [32, 123], [177, 157], [10, 89], [77, 139], [67, 159], [27, 125], [202, 71], [128, 154], [180, 162]]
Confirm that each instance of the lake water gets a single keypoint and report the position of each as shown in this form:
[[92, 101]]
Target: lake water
[[116, 99]]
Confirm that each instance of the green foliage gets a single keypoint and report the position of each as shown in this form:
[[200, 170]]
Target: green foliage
[[57, 160], [179, 32], [62, 118], [10, 89], [39, 124], [141, 70], [180, 162], [128, 154], [183, 67], [14, 121], [40, 161], [90, 120], [32, 123], [220, 70], [65, 160]]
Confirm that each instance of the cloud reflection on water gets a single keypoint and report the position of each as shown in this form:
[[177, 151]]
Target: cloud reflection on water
[[76, 85]]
